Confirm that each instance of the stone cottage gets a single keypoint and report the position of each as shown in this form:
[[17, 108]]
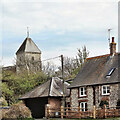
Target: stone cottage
[[28, 57], [97, 82], [51, 93]]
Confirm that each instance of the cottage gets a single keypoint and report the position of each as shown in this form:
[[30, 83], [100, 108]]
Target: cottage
[[97, 82], [51, 92]]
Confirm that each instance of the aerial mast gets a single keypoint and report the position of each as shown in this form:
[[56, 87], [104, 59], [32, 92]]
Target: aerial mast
[[27, 32], [109, 30]]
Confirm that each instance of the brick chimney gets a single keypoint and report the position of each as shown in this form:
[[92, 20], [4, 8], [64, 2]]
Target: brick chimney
[[112, 47]]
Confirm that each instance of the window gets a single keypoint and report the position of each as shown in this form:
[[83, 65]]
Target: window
[[83, 106], [110, 72], [105, 90], [82, 91]]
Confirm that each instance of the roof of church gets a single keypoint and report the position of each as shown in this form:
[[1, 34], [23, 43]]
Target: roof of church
[[28, 46], [51, 88], [99, 70]]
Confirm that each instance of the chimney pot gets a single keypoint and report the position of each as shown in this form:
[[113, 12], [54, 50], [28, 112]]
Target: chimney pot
[[113, 40], [112, 47]]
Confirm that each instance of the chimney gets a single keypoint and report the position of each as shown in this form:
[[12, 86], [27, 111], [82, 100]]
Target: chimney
[[112, 47]]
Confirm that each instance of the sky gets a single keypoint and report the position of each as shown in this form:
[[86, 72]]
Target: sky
[[57, 26]]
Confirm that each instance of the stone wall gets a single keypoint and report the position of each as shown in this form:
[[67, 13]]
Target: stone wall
[[28, 61], [74, 97], [112, 98], [90, 97]]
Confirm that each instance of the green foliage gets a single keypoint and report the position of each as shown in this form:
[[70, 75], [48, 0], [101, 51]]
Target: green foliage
[[102, 103], [17, 85], [3, 102], [118, 104]]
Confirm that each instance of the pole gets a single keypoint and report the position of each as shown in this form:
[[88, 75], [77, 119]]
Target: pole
[[62, 64], [109, 30]]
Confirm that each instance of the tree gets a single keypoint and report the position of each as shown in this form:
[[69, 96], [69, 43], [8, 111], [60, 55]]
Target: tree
[[73, 65], [31, 66], [81, 56], [17, 85], [49, 69]]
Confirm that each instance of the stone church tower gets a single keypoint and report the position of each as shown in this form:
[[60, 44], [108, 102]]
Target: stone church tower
[[28, 57]]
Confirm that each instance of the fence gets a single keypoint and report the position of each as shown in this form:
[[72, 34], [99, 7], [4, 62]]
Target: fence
[[77, 112]]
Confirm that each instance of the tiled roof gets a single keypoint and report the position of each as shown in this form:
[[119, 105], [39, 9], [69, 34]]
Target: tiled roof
[[51, 88], [28, 46], [95, 70]]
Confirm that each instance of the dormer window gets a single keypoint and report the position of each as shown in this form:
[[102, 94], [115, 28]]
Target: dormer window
[[105, 90], [82, 91], [110, 72]]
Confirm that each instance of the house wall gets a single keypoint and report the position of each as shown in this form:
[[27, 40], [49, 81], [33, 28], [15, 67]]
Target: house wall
[[75, 99], [112, 99], [54, 102]]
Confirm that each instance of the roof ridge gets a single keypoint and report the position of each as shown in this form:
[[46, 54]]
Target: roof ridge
[[98, 56], [49, 93], [101, 56]]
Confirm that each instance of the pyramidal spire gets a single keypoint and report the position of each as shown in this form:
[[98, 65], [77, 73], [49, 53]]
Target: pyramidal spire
[[27, 32]]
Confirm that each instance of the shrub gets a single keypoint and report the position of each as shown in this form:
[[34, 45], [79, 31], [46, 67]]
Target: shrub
[[3, 102], [118, 104], [18, 110], [102, 103]]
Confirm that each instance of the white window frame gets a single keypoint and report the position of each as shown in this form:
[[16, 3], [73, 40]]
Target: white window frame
[[84, 91], [106, 89], [84, 107]]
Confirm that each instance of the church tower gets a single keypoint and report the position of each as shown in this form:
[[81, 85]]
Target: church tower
[[28, 57]]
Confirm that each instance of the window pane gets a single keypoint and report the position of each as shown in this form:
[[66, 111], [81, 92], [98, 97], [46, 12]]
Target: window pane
[[82, 93], [108, 87], [85, 106], [81, 89], [104, 91], [82, 105], [108, 91], [85, 91], [104, 87]]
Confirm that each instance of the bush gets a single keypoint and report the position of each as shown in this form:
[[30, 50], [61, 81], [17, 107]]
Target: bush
[[3, 102], [17, 111], [102, 103], [118, 104]]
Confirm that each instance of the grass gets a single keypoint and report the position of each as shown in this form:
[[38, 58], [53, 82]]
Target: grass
[[85, 119]]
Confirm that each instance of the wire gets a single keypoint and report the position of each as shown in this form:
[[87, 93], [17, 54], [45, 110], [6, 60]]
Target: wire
[[50, 58]]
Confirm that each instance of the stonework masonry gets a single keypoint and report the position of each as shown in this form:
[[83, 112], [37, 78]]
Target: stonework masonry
[[112, 98], [31, 61], [74, 97]]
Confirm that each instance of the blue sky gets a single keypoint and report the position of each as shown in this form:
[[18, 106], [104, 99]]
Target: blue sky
[[58, 27]]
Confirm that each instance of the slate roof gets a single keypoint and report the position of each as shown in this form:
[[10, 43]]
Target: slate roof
[[28, 46], [95, 70], [51, 88]]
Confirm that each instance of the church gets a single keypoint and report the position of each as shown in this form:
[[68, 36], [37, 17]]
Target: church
[[28, 58]]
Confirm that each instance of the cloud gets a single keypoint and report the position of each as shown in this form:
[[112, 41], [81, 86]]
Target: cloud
[[88, 18]]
